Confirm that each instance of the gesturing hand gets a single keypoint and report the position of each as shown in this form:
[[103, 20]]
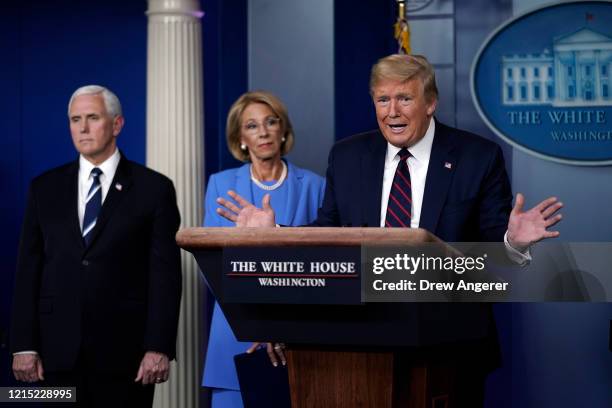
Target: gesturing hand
[[528, 227], [245, 214]]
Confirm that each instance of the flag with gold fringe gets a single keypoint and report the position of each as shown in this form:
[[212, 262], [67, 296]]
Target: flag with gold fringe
[[402, 29]]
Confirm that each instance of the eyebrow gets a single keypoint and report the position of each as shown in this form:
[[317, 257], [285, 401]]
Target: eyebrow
[[396, 96], [87, 115], [265, 118]]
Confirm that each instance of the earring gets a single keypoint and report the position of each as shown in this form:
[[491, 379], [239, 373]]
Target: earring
[[243, 147], [283, 139]]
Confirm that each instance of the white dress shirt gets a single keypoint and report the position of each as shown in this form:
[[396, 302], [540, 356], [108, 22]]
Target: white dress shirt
[[418, 162], [108, 167]]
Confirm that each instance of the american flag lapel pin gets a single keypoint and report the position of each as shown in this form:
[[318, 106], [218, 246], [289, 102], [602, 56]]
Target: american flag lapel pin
[[448, 165], [118, 186]]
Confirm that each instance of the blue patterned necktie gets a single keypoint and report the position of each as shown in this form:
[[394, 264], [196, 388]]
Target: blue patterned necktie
[[399, 208], [93, 203]]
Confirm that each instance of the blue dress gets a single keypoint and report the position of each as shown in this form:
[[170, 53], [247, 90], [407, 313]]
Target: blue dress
[[295, 203]]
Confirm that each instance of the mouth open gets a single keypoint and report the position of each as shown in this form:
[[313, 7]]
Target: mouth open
[[397, 128]]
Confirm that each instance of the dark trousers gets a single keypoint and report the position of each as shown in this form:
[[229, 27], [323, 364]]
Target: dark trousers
[[96, 389]]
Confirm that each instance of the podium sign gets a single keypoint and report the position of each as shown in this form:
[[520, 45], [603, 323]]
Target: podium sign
[[310, 275]]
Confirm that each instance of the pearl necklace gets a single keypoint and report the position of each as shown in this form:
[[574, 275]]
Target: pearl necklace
[[274, 186]]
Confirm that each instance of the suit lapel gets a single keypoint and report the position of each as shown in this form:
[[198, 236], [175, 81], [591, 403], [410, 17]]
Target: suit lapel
[[72, 193], [118, 189], [442, 164], [293, 181], [243, 183], [372, 171]]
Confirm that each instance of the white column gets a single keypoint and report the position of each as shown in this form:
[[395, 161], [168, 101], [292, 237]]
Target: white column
[[578, 76], [175, 133], [559, 76], [597, 83]]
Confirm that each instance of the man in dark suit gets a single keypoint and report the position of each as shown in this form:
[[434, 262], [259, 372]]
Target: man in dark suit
[[458, 187], [98, 282], [416, 172]]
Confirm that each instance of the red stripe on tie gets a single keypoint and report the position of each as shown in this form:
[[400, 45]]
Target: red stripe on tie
[[396, 217], [400, 205], [398, 188], [404, 178]]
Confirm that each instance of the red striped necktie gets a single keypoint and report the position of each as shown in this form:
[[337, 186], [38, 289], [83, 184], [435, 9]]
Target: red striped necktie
[[399, 208]]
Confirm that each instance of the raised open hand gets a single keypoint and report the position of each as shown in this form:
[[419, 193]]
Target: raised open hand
[[528, 227], [245, 214]]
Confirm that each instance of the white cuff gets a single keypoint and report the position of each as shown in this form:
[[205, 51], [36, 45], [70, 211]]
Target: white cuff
[[25, 352], [516, 256]]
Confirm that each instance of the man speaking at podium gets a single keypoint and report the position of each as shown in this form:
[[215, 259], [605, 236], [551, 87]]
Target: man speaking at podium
[[98, 282], [416, 172]]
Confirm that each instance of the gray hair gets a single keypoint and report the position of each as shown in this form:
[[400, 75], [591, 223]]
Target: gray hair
[[111, 102]]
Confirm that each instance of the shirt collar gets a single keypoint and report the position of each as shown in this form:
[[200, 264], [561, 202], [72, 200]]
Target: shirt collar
[[108, 166], [421, 150]]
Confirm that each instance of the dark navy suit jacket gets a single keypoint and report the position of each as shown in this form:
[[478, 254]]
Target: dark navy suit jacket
[[118, 296], [467, 191], [467, 198]]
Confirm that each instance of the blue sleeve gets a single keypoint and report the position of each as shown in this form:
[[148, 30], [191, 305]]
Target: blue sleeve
[[211, 218], [321, 191]]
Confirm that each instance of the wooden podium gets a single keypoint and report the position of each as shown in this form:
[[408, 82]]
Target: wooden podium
[[343, 354]]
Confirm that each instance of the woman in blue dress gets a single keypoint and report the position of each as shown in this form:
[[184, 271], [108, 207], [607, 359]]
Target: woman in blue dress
[[259, 133]]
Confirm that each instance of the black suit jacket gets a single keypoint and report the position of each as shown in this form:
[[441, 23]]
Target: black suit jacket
[[467, 198], [117, 297]]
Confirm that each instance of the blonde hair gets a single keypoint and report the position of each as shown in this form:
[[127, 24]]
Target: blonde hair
[[233, 126], [403, 68]]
